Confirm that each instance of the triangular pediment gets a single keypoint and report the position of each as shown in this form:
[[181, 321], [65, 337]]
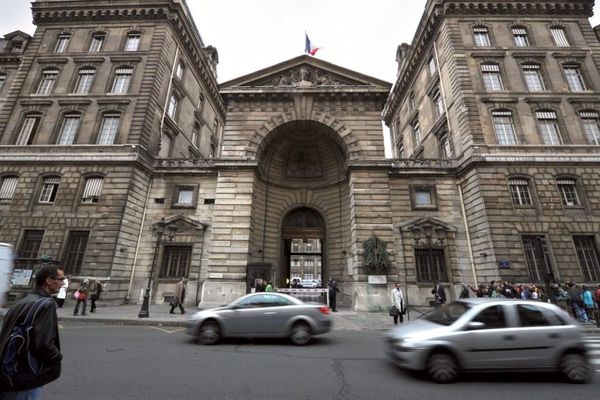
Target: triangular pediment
[[304, 72]]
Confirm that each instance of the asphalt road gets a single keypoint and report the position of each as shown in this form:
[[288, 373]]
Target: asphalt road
[[142, 362]]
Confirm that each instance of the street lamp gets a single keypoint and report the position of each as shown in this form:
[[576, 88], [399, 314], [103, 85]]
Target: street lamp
[[160, 229]]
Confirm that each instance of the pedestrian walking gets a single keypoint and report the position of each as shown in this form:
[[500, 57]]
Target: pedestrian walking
[[81, 296], [588, 301], [576, 302], [439, 294], [62, 292], [259, 286], [44, 347], [180, 290], [95, 290], [333, 291], [398, 309]]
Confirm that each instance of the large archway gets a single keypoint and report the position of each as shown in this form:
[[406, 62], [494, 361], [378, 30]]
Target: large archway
[[303, 235]]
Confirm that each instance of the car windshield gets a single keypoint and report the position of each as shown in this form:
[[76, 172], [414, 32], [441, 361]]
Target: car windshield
[[449, 313]]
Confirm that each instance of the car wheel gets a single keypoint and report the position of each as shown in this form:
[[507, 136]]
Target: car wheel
[[442, 367], [575, 368], [209, 333], [300, 334]]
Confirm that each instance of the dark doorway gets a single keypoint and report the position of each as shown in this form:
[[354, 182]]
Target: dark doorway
[[303, 235]]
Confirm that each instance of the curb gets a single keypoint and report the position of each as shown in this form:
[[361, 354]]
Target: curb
[[121, 321]]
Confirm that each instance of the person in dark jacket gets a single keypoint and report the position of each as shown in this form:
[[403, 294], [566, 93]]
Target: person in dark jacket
[[45, 344], [95, 290], [333, 291], [179, 298], [439, 294]]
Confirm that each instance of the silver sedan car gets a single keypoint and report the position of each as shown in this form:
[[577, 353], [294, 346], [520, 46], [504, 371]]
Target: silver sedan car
[[259, 315], [491, 334]]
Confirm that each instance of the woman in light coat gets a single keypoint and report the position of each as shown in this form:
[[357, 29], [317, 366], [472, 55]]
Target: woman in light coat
[[398, 302], [62, 292]]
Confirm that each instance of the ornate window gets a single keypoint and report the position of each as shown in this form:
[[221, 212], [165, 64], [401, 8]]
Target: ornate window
[[133, 41], [591, 126], [8, 184], [122, 80], [548, 127], [97, 42], [587, 253], [46, 85], [172, 106], [533, 77], [28, 130], [574, 77], [109, 128], [567, 188], [92, 190], [75, 253], [32, 241], [491, 77], [481, 36], [85, 80], [520, 36], [49, 189], [560, 36], [176, 261], [519, 192], [504, 127], [69, 128], [62, 42]]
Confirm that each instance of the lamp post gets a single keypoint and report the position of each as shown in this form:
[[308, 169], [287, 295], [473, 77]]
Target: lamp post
[[159, 230]]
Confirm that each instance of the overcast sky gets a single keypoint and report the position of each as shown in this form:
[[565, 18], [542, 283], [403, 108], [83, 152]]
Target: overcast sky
[[361, 35]]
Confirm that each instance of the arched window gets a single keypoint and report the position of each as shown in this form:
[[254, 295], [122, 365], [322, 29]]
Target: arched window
[[568, 191], [491, 77], [97, 42], [504, 127], [109, 128], [47, 81], [85, 79]]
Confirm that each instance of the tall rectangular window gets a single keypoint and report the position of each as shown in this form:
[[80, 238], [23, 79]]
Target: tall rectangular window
[[504, 127], [75, 253], [439, 103], [133, 42], [92, 190], [432, 67], [49, 190], [431, 265], [122, 80], [519, 192], [85, 80], [587, 253], [68, 129], [533, 77], [62, 42], [97, 42], [176, 261], [172, 106], [548, 126], [109, 128], [27, 133], [32, 241], [481, 36], [537, 254], [520, 37], [165, 146], [2, 80], [8, 184], [560, 37], [180, 70], [47, 82], [416, 128], [567, 189], [574, 77], [491, 77], [591, 126]]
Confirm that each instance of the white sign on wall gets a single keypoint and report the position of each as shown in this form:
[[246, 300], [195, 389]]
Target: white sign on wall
[[21, 277], [377, 279]]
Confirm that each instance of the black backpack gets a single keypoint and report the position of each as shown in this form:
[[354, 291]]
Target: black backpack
[[18, 364]]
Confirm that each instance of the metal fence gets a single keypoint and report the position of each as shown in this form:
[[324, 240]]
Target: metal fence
[[308, 295]]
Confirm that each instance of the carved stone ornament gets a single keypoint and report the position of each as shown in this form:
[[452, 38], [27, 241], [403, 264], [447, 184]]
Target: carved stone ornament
[[305, 75], [376, 257]]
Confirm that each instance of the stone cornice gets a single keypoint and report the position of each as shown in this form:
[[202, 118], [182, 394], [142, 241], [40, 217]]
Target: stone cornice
[[174, 12], [437, 10]]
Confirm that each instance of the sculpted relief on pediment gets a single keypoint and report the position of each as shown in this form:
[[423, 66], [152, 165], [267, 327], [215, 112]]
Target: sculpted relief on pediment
[[304, 76]]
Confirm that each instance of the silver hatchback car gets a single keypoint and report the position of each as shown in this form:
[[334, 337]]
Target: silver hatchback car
[[491, 334], [258, 315]]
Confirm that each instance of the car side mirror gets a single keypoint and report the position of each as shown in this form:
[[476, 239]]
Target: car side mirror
[[474, 325]]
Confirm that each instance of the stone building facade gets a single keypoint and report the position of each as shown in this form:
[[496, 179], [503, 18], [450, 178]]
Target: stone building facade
[[122, 158]]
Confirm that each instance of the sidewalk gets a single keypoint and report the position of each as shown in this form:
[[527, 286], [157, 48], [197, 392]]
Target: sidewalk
[[345, 319]]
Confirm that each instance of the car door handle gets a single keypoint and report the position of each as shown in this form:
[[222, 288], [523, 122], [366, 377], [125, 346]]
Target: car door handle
[[270, 313], [554, 335], [508, 337]]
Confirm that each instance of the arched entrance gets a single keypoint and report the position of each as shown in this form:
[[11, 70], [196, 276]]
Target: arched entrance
[[303, 236]]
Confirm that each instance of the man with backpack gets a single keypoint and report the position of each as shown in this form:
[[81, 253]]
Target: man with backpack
[[29, 342]]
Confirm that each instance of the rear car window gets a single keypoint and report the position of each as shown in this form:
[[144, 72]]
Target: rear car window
[[531, 315]]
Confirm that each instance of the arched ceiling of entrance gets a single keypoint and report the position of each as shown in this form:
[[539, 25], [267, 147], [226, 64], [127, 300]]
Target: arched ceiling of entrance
[[302, 154]]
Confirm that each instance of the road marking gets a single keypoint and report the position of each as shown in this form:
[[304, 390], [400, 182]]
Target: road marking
[[167, 330]]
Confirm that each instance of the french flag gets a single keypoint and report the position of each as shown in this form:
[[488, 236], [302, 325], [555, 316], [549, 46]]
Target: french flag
[[308, 47]]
